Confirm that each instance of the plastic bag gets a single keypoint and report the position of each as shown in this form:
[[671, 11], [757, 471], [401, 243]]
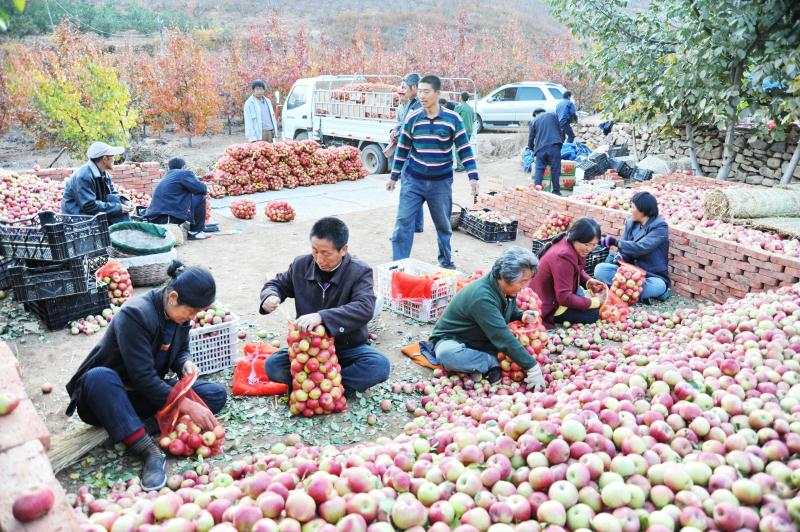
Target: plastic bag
[[316, 373], [115, 276], [179, 434], [407, 286], [614, 309], [250, 376], [527, 160], [628, 282]]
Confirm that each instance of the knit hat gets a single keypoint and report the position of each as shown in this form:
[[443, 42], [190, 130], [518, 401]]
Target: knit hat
[[195, 286]]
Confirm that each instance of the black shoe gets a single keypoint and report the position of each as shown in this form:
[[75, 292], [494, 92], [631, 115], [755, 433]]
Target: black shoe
[[211, 228], [450, 266], [493, 375], [418, 231], [154, 474]]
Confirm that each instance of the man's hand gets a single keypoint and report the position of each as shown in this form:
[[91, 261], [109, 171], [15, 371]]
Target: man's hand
[[270, 304], [190, 368], [473, 185], [309, 321], [200, 414], [392, 135], [391, 184], [534, 379]]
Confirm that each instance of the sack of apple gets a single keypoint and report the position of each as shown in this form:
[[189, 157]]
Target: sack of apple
[[115, 276], [527, 300], [533, 337], [243, 209], [628, 283], [188, 439], [316, 373], [279, 211], [614, 309]]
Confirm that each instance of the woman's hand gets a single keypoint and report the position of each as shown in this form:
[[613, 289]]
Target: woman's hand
[[595, 286], [200, 414], [190, 368]]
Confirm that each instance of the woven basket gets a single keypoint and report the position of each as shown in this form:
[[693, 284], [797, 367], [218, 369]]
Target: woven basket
[[147, 270]]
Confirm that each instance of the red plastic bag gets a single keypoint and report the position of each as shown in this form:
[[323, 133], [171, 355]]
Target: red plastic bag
[[407, 286], [628, 283], [614, 309], [179, 433], [249, 374], [316, 373], [115, 276]]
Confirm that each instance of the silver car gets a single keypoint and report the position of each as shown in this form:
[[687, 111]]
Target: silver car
[[512, 105]]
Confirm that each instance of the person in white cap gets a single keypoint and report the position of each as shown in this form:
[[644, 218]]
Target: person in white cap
[[89, 189]]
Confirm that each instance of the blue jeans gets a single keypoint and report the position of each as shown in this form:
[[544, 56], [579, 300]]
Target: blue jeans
[[549, 156], [363, 366], [198, 220], [654, 287], [439, 197], [419, 223], [455, 356], [104, 402]]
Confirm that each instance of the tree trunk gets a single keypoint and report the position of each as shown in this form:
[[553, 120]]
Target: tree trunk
[[230, 125], [789, 172], [190, 141], [727, 152], [693, 150]]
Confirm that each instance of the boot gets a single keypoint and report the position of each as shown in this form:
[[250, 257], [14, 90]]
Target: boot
[[154, 475]]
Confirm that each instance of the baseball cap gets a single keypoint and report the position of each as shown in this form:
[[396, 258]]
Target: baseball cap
[[412, 79], [101, 149]]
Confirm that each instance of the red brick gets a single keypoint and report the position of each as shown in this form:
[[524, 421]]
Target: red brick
[[697, 258], [785, 261], [781, 277]]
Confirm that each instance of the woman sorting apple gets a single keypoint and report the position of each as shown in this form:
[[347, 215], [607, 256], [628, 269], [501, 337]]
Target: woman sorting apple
[[122, 383]]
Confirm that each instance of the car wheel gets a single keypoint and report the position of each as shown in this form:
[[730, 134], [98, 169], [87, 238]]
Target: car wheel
[[373, 158], [301, 135], [478, 124]]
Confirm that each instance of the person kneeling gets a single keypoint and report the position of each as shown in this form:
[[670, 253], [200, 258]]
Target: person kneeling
[[333, 289], [561, 273], [179, 198], [121, 382], [474, 327], [645, 244]]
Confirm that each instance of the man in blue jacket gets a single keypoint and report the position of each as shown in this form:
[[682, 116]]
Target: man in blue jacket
[[566, 113], [89, 189], [180, 197], [544, 140], [645, 244]]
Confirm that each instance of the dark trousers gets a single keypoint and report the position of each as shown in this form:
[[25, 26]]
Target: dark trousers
[[549, 156], [569, 133], [104, 402], [363, 366], [578, 316], [198, 221], [117, 218]]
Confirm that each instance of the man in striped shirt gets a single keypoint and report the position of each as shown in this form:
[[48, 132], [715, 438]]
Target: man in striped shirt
[[425, 158]]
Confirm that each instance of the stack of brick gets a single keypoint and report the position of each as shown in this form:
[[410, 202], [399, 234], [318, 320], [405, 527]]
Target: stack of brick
[[139, 177], [700, 266], [24, 441]]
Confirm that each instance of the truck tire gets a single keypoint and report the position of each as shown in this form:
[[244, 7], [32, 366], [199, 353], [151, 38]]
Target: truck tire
[[373, 158], [301, 135]]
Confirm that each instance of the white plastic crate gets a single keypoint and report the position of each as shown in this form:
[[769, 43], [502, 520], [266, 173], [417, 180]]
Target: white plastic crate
[[424, 310], [213, 347]]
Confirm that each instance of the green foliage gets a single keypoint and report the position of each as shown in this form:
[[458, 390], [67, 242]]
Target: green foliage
[[7, 9], [94, 105]]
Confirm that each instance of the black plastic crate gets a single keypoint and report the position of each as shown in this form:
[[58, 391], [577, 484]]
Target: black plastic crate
[[34, 283], [57, 313], [622, 168], [596, 256], [487, 231], [54, 237], [640, 174], [540, 246], [5, 273], [618, 150], [590, 169]]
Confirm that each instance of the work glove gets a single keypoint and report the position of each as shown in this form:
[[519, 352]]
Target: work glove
[[534, 379], [608, 241]]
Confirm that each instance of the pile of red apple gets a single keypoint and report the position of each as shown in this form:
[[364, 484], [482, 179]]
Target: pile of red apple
[[214, 315], [462, 281], [188, 439], [316, 373], [279, 211], [628, 283], [554, 224], [262, 166], [243, 209], [116, 277]]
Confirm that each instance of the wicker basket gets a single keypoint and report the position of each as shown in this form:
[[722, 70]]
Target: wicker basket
[[146, 270]]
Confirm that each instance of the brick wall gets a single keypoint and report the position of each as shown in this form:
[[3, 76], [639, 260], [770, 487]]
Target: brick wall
[[24, 440], [139, 177], [700, 266]]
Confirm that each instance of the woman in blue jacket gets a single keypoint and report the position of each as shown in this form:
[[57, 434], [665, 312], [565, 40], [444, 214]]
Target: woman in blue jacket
[[180, 197], [644, 243]]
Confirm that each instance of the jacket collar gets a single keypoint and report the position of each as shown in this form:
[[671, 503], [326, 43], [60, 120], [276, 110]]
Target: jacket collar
[[311, 271], [570, 253], [95, 170]]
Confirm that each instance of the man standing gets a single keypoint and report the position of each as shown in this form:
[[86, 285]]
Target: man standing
[[89, 189], [465, 111], [409, 103], [178, 198], [565, 110], [333, 289], [259, 116], [424, 158], [544, 140]]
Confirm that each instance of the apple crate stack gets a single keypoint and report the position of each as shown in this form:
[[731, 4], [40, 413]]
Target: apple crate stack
[[48, 263]]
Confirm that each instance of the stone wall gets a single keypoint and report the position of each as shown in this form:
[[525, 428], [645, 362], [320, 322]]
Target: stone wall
[[139, 177], [756, 162]]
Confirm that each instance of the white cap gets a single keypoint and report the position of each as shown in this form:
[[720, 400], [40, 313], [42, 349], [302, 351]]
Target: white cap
[[101, 149]]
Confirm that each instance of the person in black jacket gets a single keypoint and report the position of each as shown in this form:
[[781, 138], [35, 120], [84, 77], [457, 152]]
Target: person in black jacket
[[544, 140], [334, 289], [180, 197], [122, 381]]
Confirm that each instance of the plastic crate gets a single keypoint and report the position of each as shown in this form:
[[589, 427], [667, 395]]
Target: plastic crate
[[423, 310], [640, 174], [487, 231], [5, 273], [541, 245], [34, 283], [596, 256], [54, 237], [213, 347], [57, 313]]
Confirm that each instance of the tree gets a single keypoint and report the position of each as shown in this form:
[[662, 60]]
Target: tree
[[7, 8], [181, 88]]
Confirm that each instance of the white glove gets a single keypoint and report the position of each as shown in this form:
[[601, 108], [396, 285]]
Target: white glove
[[534, 379]]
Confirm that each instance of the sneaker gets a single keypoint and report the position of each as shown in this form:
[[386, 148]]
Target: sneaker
[[200, 235], [154, 462], [493, 375], [450, 266]]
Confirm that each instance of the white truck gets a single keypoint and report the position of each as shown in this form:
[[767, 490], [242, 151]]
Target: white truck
[[359, 110]]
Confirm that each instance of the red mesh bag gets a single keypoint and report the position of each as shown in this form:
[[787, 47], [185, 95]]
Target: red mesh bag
[[628, 283], [316, 373], [614, 309], [407, 286], [249, 374]]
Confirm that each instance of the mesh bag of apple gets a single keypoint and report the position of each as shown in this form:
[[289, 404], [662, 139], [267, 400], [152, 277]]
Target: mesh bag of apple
[[243, 209], [180, 435], [115, 276], [628, 283], [316, 373], [531, 334], [279, 211]]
